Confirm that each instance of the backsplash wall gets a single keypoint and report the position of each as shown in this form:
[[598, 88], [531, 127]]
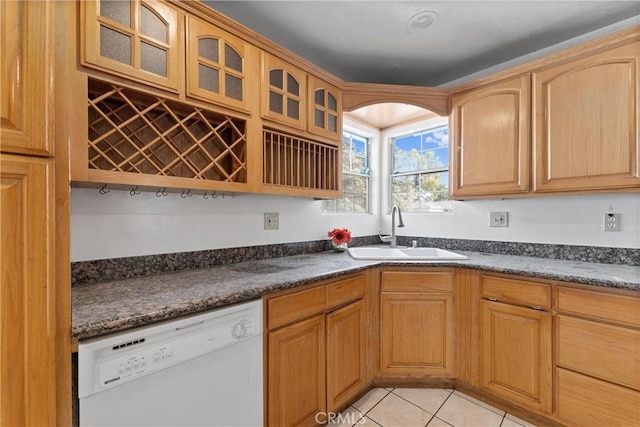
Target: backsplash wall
[[118, 225]]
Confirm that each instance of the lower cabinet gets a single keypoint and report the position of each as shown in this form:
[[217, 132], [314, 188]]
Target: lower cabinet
[[597, 358], [515, 341], [316, 351], [416, 323]]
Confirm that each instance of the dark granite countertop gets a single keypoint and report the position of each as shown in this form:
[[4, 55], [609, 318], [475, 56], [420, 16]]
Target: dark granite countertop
[[107, 307]]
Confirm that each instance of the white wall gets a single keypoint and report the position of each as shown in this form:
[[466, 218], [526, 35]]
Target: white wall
[[118, 225]]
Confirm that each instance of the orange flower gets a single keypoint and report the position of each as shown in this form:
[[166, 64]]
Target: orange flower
[[340, 235]]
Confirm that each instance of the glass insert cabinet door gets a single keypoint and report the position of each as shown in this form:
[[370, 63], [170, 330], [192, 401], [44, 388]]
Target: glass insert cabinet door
[[284, 96], [217, 65], [137, 38], [325, 109]]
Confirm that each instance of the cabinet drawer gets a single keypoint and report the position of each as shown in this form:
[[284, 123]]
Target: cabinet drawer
[[599, 305], [297, 305], [586, 401], [517, 291], [345, 290], [417, 281], [604, 351]]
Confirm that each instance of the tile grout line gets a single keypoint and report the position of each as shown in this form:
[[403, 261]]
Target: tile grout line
[[370, 409]]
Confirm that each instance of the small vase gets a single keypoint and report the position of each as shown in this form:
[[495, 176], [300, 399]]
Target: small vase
[[339, 247]]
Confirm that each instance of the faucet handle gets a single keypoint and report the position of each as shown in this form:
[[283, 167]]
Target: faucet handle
[[384, 238]]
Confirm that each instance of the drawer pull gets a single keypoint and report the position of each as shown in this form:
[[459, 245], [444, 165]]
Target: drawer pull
[[536, 308], [491, 299]]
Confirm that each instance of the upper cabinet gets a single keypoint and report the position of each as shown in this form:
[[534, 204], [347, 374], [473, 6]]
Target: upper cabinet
[[325, 109], [284, 92], [490, 127], [26, 95], [139, 39], [586, 118], [217, 65]]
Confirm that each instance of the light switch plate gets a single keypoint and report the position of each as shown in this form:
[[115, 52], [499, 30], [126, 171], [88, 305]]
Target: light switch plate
[[498, 219], [271, 221]]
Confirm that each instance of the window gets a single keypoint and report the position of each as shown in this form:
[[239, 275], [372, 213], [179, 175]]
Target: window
[[355, 177], [420, 171]]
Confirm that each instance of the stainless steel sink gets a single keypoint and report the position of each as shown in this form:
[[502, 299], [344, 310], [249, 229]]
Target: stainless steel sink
[[382, 253]]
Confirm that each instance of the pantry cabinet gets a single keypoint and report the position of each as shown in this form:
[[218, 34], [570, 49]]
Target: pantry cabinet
[[586, 122], [416, 323], [490, 129], [516, 346], [598, 357], [139, 39], [316, 350]]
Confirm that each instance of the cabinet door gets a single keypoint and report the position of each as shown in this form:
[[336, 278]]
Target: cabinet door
[[325, 109], [586, 118], [136, 38], [296, 375], [217, 65], [346, 364], [26, 96], [284, 97], [27, 303], [416, 333], [490, 127], [516, 354]]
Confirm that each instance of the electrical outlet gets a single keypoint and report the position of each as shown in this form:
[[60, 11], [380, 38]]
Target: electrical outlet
[[271, 221], [498, 219], [611, 222]]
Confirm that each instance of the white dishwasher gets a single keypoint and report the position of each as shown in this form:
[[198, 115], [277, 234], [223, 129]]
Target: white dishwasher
[[202, 370]]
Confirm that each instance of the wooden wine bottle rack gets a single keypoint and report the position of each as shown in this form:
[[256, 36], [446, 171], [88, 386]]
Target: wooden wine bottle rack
[[136, 133], [294, 162]]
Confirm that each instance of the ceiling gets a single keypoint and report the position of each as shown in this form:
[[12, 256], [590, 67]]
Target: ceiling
[[377, 41]]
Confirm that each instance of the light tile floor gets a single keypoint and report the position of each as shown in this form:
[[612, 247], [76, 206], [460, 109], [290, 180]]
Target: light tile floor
[[406, 407]]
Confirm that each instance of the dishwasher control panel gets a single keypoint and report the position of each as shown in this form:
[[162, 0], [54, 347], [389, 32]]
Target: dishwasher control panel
[[127, 356]]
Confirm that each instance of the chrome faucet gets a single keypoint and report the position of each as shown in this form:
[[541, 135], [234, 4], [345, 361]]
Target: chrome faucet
[[394, 239]]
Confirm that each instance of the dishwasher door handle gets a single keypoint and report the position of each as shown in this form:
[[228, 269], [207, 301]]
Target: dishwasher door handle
[[181, 328]]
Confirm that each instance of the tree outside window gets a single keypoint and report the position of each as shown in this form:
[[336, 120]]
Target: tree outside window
[[420, 171], [355, 177]]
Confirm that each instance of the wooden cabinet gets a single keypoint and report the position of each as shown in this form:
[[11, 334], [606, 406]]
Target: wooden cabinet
[[516, 352], [296, 373], [586, 118], [284, 97], [25, 98], [139, 39], [316, 350], [325, 109], [218, 64], [490, 129], [597, 357], [27, 298], [416, 323]]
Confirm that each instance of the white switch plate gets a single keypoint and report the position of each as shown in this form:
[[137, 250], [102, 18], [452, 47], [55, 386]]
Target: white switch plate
[[611, 222], [498, 219], [271, 221]]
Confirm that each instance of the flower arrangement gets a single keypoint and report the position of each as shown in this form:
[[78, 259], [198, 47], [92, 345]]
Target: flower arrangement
[[340, 236]]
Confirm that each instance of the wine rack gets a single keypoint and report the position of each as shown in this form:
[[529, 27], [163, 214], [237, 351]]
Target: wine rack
[[139, 133], [295, 162]]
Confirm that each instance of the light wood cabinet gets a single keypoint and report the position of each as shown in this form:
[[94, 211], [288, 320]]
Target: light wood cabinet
[[138, 39], [516, 353], [346, 348], [284, 97], [25, 98], [416, 323], [27, 296], [325, 109], [586, 118], [597, 357], [490, 129], [218, 65], [316, 350]]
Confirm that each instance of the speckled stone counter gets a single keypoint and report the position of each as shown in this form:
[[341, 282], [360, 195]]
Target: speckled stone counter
[[107, 307]]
